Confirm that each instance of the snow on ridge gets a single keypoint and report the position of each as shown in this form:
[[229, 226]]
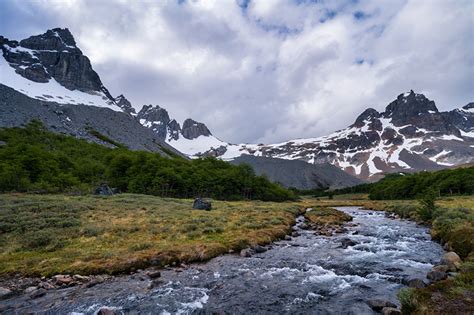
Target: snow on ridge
[[51, 91]]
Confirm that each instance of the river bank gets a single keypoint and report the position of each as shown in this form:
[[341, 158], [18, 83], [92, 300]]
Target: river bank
[[308, 273]]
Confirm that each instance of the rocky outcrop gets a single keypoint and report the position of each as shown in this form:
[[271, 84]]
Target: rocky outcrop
[[193, 129], [53, 54], [125, 104]]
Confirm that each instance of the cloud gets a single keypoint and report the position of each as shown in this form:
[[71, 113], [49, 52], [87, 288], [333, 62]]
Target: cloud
[[266, 71]]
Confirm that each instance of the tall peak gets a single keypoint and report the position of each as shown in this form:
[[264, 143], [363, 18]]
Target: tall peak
[[54, 39]]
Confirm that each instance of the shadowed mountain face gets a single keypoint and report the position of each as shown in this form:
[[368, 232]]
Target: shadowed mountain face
[[299, 174]]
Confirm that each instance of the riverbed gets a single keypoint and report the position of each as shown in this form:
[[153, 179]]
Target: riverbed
[[309, 274]]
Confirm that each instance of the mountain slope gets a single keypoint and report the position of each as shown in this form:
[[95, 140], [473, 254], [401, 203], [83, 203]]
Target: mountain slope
[[298, 174]]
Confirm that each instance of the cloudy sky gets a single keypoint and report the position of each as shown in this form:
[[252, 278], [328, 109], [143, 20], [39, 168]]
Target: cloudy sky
[[268, 70]]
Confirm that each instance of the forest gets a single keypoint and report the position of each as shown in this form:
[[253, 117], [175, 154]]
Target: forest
[[33, 159]]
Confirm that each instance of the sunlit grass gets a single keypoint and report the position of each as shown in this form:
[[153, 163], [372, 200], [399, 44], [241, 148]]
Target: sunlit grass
[[50, 234]]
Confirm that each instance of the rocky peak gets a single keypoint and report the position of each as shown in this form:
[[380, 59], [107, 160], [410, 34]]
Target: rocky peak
[[154, 113], [55, 39], [469, 108], [367, 115], [193, 129], [124, 104], [53, 54], [155, 118], [174, 130], [409, 106]]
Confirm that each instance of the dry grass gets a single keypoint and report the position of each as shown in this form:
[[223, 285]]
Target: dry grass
[[50, 234], [327, 216]]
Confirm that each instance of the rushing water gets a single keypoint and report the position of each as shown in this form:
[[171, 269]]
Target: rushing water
[[307, 275]]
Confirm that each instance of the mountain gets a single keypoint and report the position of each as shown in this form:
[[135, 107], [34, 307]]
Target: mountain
[[47, 77], [409, 135], [298, 174]]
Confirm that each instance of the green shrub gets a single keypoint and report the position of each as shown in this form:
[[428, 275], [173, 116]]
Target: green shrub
[[406, 297]]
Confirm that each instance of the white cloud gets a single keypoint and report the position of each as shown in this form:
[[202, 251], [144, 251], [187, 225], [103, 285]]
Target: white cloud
[[275, 70]]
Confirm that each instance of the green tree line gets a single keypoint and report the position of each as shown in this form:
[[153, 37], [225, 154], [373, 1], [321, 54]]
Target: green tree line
[[459, 181], [34, 159]]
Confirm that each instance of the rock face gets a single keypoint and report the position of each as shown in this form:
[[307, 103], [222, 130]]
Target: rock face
[[124, 104], [53, 54], [193, 129]]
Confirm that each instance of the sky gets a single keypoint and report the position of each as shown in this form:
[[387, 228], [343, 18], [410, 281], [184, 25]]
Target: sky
[[269, 70]]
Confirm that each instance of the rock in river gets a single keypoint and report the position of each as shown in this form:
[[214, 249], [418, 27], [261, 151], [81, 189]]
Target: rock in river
[[377, 305], [436, 275]]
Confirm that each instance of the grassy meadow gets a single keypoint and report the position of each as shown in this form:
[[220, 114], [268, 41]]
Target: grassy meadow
[[51, 234]]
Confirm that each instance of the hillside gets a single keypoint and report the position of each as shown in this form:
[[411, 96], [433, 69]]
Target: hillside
[[298, 174]]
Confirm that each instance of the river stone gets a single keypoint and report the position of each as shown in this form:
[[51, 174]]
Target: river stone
[[440, 268], [154, 274], [259, 249], [346, 242], [390, 311], [377, 304], [435, 276], [4, 293], [416, 283], [38, 293], [63, 279], [287, 238], [30, 289], [452, 260], [246, 252]]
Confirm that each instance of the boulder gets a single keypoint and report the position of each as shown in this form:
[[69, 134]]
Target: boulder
[[416, 283], [103, 190], [202, 204], [346, 242], [246, 252], [377, 304], [452, 260], [29, 290], [287, 238], [80, 278], [390, 311], [436, 276], [4, 293]]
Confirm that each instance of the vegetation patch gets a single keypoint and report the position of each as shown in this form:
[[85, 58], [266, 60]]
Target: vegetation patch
[[36, 160]]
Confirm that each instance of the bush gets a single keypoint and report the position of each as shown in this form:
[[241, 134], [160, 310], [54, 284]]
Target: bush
[[407, 300]]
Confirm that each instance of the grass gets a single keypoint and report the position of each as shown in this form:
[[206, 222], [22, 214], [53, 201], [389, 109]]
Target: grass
[[327, 216], [51, 234]]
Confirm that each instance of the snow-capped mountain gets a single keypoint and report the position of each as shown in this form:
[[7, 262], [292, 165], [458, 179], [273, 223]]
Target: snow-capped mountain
[[50, 67], [410, 135], [47, 77]]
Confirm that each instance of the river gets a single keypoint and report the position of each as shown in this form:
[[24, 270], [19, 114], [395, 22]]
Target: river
[[308, 274]]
